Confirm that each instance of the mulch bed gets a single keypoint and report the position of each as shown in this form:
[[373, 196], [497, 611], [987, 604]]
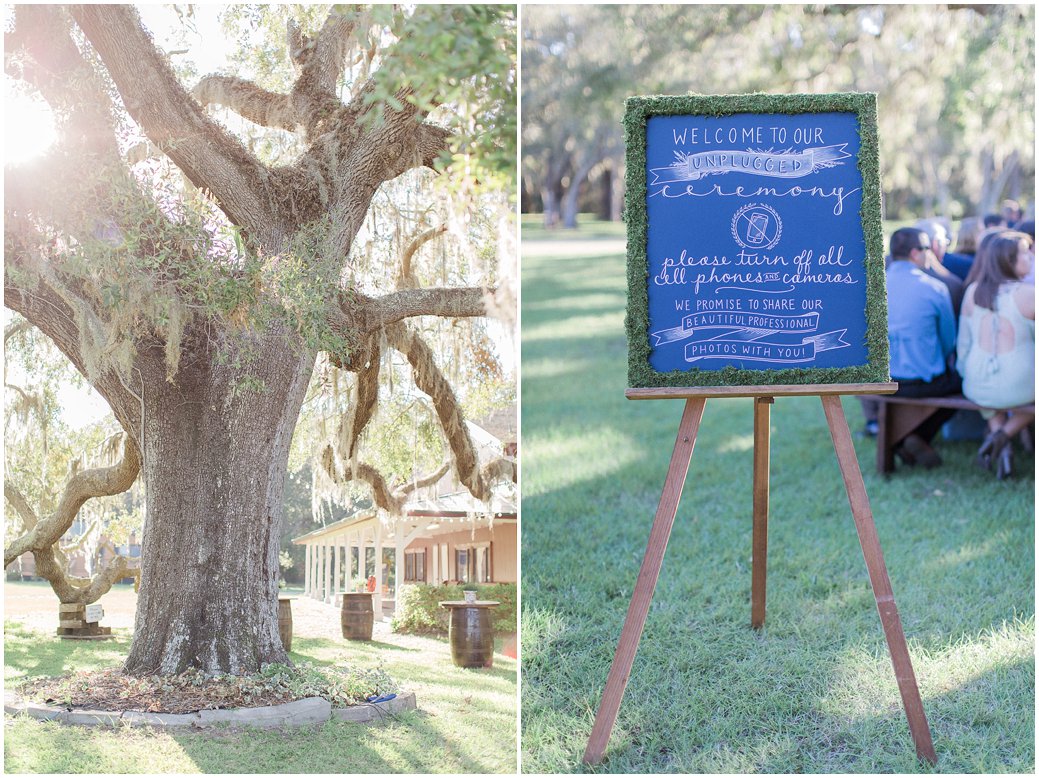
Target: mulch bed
[[189, 692]]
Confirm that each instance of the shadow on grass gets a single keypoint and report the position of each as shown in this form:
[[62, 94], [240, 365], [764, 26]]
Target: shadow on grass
[[24, 650], [958, 548], [410, 742], [804, 738], [466, 724], [364, 647]]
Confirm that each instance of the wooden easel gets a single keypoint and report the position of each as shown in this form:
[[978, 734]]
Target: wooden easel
[[641, 597]]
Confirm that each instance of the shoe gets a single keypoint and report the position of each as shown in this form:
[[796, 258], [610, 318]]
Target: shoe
[[989, 451], [1005, 462], [921, 452], [871, 429], [903, 454]]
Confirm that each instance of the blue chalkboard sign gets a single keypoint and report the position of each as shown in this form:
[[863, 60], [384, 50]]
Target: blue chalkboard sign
[[754, 245]]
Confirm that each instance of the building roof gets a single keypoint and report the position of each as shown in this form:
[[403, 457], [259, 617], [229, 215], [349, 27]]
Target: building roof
[[501, 423], [460, 505]]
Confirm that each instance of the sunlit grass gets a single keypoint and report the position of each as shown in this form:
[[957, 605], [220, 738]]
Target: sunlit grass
[[813, 692], [466, 722]]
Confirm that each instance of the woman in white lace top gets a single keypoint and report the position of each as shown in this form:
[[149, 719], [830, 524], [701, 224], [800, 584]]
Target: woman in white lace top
[[996, 344]]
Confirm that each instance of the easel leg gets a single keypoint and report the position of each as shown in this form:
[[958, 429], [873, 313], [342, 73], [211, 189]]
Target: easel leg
[[878, 577], [760, 537], [641, 597]]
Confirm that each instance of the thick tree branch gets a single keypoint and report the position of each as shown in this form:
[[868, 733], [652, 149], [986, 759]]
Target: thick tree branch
[[409, 145], [406, 279], [16, 327], [207, 154], [21, 506], [364, 406], [48, 310], [96, 482], [450, 302], [320, 63], [268, 109], [312, 102], [424, 481], [325, 57], [68, 588], [358, 316], [342, 471], [432, 382], [500, 469]]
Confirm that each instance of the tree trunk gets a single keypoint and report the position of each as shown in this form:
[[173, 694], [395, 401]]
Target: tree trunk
[[570, 204], [617, 198], [215, 463], [551, 206], [570, 200], [606, 194]]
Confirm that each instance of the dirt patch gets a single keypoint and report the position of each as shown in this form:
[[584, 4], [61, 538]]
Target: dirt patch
[[193, 691]]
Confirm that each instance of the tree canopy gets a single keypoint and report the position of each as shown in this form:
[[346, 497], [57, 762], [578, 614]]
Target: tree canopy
[[955, 84]]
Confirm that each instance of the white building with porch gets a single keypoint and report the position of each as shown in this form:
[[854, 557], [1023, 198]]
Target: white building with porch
[[445, 536], [449, 539]]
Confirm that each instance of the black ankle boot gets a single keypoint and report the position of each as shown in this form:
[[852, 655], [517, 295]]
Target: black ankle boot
[[1005, 462], [989, 451]]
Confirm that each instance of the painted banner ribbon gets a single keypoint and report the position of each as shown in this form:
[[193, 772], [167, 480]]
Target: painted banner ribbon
[[744, 337], [766, 323], [764, 351], [691, 167]]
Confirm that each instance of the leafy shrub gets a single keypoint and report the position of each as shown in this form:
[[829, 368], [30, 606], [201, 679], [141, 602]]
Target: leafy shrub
[[419, 611]]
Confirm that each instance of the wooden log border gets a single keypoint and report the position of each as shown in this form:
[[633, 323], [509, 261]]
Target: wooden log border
[[310, 710]]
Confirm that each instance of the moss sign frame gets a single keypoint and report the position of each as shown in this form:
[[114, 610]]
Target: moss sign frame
[[755, 252]]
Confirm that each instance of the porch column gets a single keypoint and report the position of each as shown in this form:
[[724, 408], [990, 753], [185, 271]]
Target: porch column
[[315, 554], [377, 604], [398, 564], [338, 571], [350, 574], [316, 593], [328, 571], [306, 569], [434, 564]]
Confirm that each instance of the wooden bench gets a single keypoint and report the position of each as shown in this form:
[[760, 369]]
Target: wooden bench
[[898, 416]]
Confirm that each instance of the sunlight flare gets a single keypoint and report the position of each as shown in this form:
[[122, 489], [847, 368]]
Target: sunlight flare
[[28, 128]]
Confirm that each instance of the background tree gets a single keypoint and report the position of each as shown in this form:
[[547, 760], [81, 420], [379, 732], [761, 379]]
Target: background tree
[[956, 90], [197, 312], [47, 484]]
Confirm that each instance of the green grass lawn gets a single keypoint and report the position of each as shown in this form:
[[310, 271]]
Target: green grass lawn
[[814, 691], [466, 722]]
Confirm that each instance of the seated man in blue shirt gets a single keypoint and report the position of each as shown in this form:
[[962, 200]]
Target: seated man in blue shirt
[[921, 337]]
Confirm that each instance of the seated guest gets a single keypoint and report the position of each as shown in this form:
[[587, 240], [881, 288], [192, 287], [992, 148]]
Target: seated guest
[[921, 338], [1027, 226], [996, 344], [935, 268], [1012, 213], [994, 220], [959, 262]]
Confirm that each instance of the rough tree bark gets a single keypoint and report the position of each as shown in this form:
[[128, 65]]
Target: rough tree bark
[[214, 430]]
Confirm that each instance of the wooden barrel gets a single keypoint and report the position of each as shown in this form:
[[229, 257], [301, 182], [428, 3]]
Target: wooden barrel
[[472, 638], [285, 622], [358, 616]]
